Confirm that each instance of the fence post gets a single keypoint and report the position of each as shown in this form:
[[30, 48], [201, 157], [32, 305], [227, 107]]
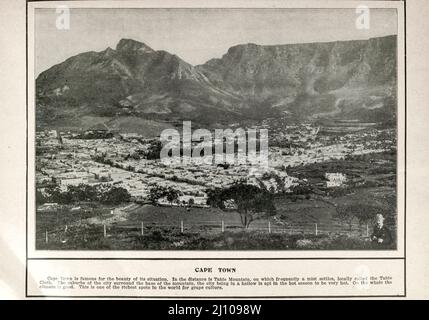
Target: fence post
[[269, 226], [181, 226], [223, 226], [142, 231], [104, 231], [367, 230], [46, 236], [316, 229]]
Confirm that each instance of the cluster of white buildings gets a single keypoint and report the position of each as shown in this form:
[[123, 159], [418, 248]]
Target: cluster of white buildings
[[66, 160]]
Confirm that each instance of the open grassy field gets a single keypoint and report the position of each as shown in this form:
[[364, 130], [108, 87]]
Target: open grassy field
[[292, 228], [167, 239]]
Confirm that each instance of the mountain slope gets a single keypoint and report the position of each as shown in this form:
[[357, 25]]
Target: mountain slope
[[351, 79], [310, 79]]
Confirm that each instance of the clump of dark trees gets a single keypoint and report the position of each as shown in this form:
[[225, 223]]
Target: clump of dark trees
[[363, 212], [250, 201], [103, 193], [158, 192]]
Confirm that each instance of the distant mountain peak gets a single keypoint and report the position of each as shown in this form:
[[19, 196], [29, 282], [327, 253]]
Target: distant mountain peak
[[133, 45], [342, 80], [109, 51]]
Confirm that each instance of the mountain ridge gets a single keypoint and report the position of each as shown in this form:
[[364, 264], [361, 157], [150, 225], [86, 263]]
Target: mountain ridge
[[308, 80]]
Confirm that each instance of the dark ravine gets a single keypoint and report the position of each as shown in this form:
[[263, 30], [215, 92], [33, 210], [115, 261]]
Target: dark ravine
[[344, 79]]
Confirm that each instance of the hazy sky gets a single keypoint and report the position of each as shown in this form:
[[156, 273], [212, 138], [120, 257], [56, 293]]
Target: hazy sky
[[197, 35]]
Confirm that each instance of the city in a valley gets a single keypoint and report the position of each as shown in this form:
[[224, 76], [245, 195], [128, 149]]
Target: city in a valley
[[326, 180]]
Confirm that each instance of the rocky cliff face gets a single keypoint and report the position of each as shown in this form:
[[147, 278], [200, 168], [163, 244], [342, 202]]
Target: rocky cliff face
[[309, 80], [351, 79]]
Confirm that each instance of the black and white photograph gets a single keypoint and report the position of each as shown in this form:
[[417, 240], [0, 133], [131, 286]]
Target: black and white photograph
[[216, 129]]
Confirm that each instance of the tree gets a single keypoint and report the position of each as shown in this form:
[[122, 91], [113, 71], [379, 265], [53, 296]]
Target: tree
[[155, 193], [40, 198], [301, 189], [363, 212], [116, 195], [191, 202], [158, 192], [251, 202], [90, 192], [154, 150], [76, 193], [53, 193], [172, 195], [216, 198]]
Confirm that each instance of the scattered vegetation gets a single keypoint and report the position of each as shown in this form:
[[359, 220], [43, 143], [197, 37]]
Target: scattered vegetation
[[103, 193]]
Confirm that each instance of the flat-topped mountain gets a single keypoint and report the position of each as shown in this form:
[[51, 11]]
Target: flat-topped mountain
[[345, 79]]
